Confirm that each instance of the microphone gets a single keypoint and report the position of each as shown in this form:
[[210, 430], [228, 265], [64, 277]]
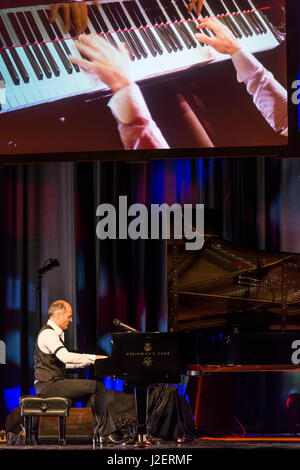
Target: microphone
[[52, 263], [126, 327]]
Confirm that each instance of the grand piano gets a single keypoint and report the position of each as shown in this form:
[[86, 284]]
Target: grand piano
[[231, 309]]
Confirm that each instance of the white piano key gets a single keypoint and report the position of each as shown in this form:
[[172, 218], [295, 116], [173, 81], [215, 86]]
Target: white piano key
[[10, 87], [8, 102]]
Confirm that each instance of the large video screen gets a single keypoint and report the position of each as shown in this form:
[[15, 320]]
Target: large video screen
[[138, 79]]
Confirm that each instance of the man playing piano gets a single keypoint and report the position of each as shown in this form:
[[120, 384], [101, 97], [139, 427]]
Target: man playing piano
[[51, 359]]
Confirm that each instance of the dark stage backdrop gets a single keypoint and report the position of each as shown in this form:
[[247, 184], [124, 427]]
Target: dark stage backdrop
[[49, 211]]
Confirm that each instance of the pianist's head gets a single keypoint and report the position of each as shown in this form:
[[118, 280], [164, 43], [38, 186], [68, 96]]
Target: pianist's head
[[60, 312]]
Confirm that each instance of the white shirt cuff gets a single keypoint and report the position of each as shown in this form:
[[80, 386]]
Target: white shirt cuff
[[128, 104], [91, 357], [245, 64]]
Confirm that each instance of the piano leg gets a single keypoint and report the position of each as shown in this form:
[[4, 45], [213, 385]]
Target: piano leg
[[141, 403]]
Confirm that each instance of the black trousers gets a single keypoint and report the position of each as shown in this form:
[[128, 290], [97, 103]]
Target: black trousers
[[81, 389]]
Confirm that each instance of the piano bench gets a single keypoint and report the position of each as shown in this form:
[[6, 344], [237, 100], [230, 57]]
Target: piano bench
[[33, 406]]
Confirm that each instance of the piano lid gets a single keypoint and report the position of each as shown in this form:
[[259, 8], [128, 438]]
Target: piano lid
[[224, 285]]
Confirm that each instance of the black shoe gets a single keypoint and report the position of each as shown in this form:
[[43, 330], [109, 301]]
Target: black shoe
[[113, 439]]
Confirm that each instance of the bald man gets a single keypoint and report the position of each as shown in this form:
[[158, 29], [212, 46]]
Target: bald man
[[51, 359]]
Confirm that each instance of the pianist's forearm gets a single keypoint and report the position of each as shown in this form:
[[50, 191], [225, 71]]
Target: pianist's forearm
[[269, 96]]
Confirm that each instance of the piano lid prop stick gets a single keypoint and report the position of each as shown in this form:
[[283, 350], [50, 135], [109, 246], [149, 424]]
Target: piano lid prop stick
[[124, 326]]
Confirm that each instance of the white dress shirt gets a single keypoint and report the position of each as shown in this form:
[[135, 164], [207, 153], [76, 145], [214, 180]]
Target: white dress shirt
[[269, 96], [50, 342]]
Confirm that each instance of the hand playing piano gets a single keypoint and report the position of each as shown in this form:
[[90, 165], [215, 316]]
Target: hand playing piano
[[223, 41], [75, 13], [108, 63]]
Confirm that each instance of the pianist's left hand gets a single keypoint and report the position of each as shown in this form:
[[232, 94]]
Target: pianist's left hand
[[110, 64], [75, 12]]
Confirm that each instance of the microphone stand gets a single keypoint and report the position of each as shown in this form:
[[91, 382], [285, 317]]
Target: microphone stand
[[39, 297]]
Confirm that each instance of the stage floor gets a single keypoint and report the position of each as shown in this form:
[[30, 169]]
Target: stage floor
[[249, 442]]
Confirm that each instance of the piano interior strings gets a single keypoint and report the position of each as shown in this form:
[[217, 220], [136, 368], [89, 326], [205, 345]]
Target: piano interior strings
[[51, 106]]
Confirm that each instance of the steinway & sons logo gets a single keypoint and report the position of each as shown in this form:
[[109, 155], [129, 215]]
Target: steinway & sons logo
[[148, 354]]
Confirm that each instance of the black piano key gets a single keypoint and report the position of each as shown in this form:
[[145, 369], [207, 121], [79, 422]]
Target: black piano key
[[169, 30], [269, 24], [39, 56], [186, 16], [95, 23], [194, 24], [51, 60], [34, 64], [260, 24], [133, 33], [93, 20], [35, 30], [47, 25], [9, 65], [28, 30], [20, 66], [63, 42], [34, 27], [127, 34], [140, 22], [99, 18], [122, 37], [246, 7], [149, 43], [5, 34], [180, 27], [184, 28], [238, 18], [156, 18], [254, 15], [103, 25], [13, 19], [52, 35], [219, 9], [233, 27]]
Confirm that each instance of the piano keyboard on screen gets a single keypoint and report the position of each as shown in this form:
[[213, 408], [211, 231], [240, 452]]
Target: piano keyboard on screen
[[40, 71]]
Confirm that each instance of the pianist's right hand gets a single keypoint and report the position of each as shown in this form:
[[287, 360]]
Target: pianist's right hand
[[223, 41], [109, 64]]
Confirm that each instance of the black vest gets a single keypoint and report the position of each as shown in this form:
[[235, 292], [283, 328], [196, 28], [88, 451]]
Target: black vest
[[47, 366]]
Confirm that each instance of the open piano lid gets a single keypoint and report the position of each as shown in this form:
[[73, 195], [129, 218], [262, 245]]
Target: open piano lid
[[224, 285]]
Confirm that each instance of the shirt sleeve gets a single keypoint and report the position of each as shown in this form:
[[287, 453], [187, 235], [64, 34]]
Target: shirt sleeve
[[136, 126], [50, 343], [269, 96]]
